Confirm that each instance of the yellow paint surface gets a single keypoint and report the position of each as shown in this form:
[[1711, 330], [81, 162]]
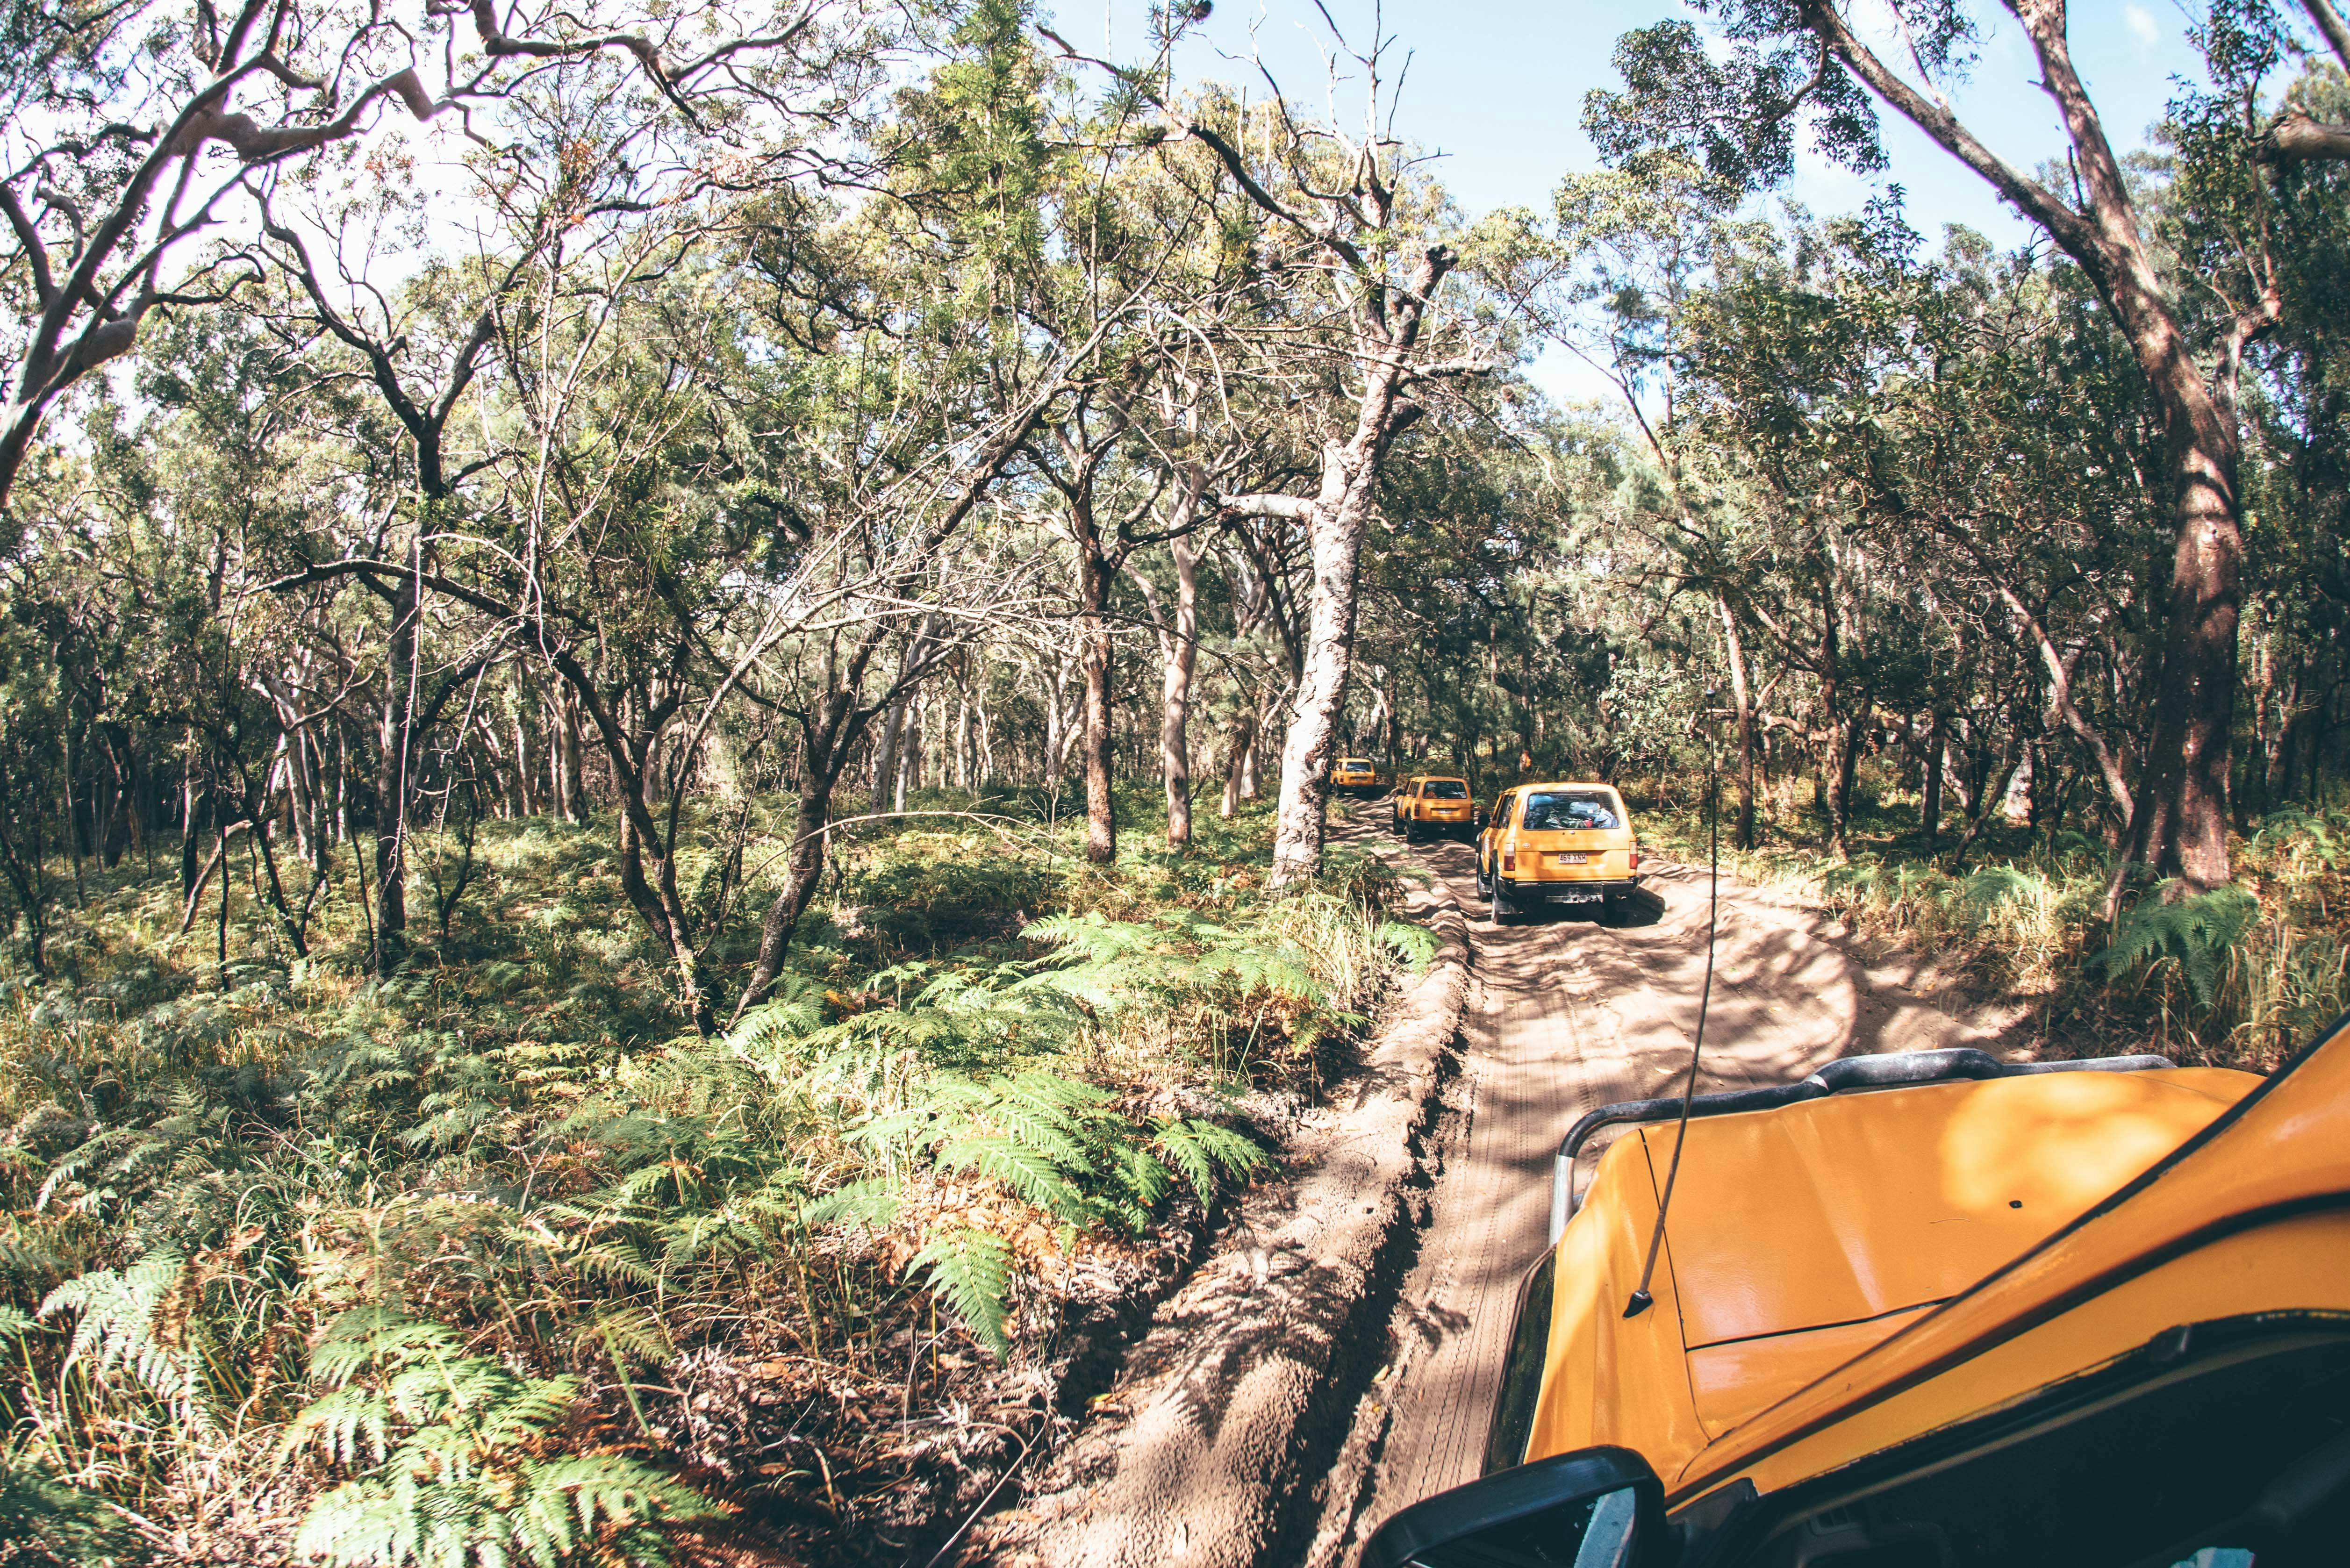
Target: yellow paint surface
[[1814, 1251]]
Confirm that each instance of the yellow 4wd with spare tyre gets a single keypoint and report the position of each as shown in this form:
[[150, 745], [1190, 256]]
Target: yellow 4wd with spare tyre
[[1934, 1311], [1556, 843], [1434, 803]]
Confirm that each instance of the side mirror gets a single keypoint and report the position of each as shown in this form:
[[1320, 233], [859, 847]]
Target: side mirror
[[1595, 1507]]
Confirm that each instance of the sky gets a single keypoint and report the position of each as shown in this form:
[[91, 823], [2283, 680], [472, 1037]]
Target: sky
[[1497, 86]]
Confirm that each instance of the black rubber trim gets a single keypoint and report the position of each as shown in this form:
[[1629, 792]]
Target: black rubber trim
[[1533, 892], [1815, 1327]]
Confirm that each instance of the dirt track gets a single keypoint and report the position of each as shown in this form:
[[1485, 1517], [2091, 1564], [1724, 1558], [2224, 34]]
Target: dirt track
[[1568, 1011]]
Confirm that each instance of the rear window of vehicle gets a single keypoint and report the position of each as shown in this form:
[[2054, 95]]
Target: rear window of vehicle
[[1354, 765], [1445, 789], [1569, 811]]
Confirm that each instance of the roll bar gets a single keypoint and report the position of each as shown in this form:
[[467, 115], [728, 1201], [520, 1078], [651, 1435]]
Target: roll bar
[[1850, 1075]]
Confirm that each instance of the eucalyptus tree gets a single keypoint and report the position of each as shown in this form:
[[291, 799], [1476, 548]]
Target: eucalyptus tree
[[941, 374], [1356, 212], [132, 129], [1631, 248], [2278, 228], [1786, 67]]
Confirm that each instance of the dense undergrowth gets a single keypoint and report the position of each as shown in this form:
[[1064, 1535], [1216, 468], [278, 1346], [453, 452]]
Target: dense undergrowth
[[497, 1262], [2240, 976]]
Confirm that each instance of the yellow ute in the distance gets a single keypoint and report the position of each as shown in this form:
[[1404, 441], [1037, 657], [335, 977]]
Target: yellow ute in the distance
[[1355, 774], [1556, 843], [1935, 1311], [1435, 802]]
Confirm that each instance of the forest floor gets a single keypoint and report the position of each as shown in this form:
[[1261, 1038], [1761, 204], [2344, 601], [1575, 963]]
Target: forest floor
[[817, 1289], [1567, 1012]]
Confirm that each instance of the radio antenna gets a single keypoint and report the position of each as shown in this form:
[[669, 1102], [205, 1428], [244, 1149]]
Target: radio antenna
[[1642, 1300]]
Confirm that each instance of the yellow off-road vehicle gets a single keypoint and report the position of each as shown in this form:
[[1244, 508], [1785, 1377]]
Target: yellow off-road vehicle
[[1556, 843], [1933, 1310], [1357, 775], [1434, 803]]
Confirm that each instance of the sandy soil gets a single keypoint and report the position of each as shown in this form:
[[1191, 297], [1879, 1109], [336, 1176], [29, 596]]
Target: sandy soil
[[1567, 1012]]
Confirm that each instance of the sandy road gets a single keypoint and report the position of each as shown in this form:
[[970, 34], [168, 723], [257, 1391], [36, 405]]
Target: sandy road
[[1569, 1010]]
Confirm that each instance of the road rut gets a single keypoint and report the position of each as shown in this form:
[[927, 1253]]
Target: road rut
[[1568, 1013]]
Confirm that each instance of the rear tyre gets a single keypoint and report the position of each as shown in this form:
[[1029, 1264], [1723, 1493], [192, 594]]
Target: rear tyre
[[1611, 907]]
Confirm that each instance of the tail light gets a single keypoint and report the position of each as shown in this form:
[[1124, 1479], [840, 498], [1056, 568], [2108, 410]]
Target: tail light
[[1636, 858], [1509, 859]]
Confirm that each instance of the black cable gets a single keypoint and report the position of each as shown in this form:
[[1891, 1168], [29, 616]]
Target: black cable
[[1642, 1300]]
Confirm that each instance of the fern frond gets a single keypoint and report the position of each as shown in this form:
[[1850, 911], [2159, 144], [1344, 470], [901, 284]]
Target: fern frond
[[118, 1328], [2195, 934], [1032, 1173], [1205, 1152], [338, 1422], [1414, 944], [971, 1270], [378, 1338], [870, 1202]]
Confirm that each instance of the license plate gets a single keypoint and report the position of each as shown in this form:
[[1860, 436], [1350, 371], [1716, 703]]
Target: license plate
[[1574, 857]]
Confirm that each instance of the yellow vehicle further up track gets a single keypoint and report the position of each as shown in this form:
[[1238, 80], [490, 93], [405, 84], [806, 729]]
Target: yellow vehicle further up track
[[1933, 1310], [1556, 843], [1358, 774], [1434, 803]]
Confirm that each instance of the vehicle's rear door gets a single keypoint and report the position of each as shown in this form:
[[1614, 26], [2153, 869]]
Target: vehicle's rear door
[[1574, 835]]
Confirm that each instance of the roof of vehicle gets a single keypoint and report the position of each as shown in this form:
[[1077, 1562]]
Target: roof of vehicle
[[1438, 778], [1803, 1238]]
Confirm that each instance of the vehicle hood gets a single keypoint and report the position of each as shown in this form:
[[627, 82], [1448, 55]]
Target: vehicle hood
[[1801, 1238], [1851, 1206]]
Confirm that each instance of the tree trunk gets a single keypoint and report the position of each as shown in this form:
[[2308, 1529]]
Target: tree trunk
[[826, 736], [1178, 629], [574, 761], [1839, 768], [1734, 648], [2180, 824], [523, 804], [392, 780], [884, 783], [1336, 519], [1938, 740], [631, 736], [1181, 656], [2293, 722], [1092, 620], [1243, 745]]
